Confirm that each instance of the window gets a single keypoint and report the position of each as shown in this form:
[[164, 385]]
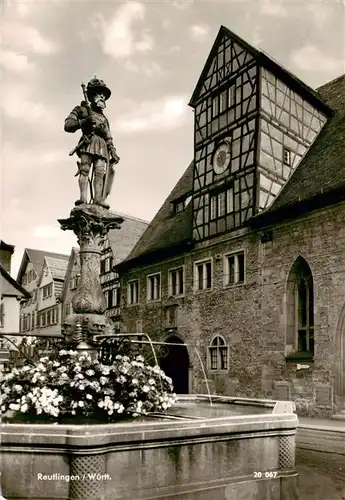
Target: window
[[182, 204], [154, 287], [133, 292], [223, 101], [102, 267], [176, 282], [218, 354], [221, 204], [107, 264], [286, 156], [300, 310], [215, 107], [234, 271], [116, 296], [47, 291], [203, 275], [231, 96], [106, 296]]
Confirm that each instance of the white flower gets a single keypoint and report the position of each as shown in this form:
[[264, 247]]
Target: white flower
[[106, 370], [101, 404], [88, 396], [14, 407], [81, 403], [135, 381], [103, 380], [90, 372], [146, 388], [152, 381], [24, 408], [82, 387], [64, 375]]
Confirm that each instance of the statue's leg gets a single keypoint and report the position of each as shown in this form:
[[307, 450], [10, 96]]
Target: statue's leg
[[99, 176], [84, 169]]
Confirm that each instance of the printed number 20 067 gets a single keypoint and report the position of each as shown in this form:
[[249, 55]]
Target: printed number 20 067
[[265, 475]]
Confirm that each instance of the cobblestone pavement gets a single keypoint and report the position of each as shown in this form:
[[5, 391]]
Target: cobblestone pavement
[[322, 475]]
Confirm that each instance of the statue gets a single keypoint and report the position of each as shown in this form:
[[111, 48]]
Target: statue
[[96, 147]]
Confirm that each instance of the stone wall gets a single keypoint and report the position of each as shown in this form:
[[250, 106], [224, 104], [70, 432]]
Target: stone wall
[[252, 317], [230, 457]]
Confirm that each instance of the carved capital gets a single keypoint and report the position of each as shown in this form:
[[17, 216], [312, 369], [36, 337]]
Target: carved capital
[[91, 224]]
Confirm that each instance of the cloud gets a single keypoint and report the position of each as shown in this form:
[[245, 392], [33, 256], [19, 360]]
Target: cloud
[[17, 36], [182, 4], [118, 39], [46, 231], [310, 58], [256, 37], [199, 32], [16, 103], [171, 113], [272, 9], [151, 69], [15, 62]]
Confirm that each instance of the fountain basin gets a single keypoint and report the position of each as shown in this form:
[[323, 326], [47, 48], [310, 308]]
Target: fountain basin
[[183, 456]]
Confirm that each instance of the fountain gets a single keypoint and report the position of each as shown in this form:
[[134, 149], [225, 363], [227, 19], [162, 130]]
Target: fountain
[[206, 447]]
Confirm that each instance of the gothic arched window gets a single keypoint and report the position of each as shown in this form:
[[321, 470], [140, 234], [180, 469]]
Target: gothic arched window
[[218, 354], [300, 309]]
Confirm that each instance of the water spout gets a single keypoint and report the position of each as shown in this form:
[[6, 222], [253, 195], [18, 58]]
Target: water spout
[[203, 371]]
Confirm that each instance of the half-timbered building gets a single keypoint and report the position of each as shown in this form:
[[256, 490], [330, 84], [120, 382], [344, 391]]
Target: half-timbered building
[[242, 269]]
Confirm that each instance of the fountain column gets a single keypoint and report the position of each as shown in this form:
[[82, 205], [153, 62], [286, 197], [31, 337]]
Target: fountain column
[[90, 223]]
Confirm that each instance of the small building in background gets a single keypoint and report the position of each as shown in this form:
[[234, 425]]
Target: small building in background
[[12, 295], [42, 274]]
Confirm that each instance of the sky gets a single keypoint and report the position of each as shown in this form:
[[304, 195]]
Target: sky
[[150, 54]]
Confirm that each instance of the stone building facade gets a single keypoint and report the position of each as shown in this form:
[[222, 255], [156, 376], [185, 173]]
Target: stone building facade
[[42, 275], [242, 269]]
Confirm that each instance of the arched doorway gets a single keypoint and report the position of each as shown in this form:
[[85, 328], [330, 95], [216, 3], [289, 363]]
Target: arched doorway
[[174, 361]]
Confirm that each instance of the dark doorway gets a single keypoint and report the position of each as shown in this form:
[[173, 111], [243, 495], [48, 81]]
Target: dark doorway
[[174, 361]]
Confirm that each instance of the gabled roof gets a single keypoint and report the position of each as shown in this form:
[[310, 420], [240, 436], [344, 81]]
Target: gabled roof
[[6, 246], [264, 60], [70, 265], [320, 176], [10, 285], [123, 240], [167, 229], [56, 267], [36, 257]]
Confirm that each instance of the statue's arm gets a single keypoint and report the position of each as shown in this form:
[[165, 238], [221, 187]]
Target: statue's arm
[[75, 119]]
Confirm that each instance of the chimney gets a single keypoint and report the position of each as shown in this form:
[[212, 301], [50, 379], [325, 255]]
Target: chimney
[[6, 252]]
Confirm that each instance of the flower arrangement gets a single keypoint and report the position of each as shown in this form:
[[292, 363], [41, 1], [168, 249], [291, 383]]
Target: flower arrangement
[[72, 384]]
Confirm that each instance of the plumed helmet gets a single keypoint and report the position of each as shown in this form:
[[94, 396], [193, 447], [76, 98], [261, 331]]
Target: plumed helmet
[[96, 86]]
